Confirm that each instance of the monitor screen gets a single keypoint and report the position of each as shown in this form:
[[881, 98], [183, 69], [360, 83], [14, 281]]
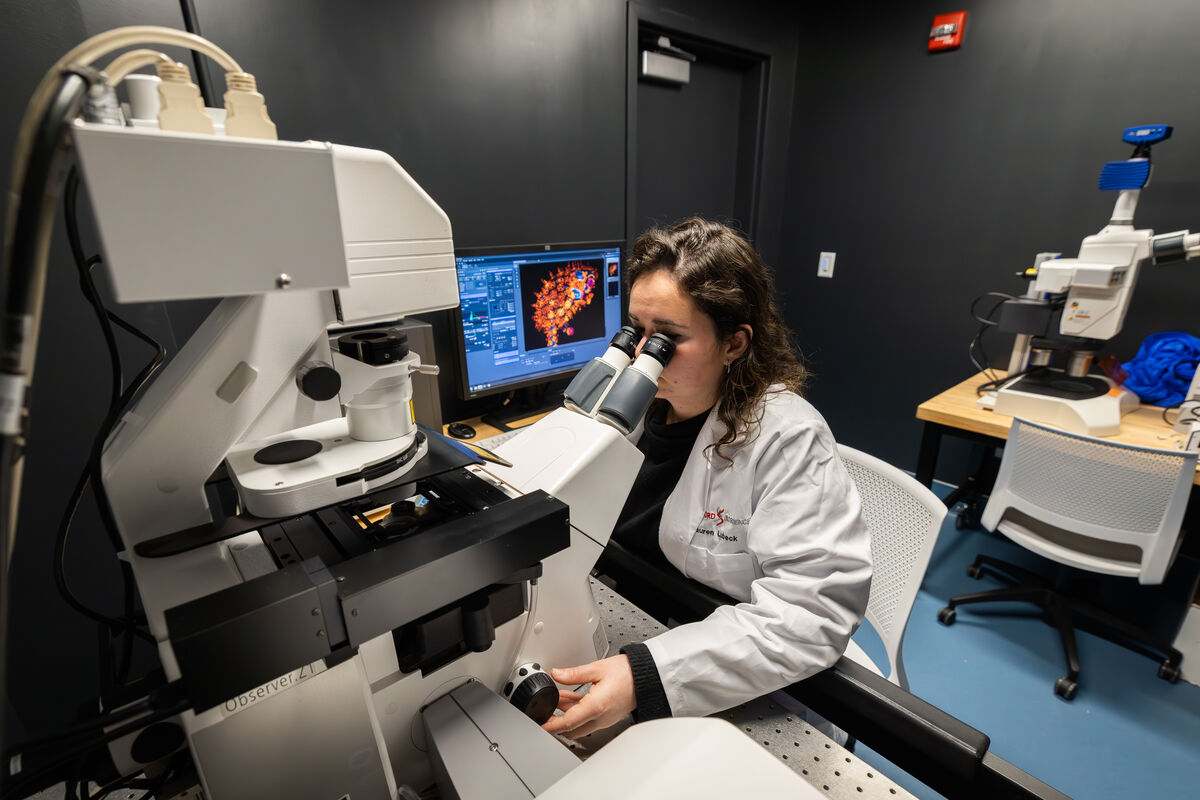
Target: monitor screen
[[533, 313]]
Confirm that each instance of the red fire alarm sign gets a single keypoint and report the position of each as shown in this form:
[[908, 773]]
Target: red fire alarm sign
[[947, 31]]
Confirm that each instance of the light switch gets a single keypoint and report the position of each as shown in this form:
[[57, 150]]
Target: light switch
[[825, 265]]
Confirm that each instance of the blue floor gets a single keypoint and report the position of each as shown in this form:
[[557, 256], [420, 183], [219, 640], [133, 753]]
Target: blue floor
[[1126, 734]]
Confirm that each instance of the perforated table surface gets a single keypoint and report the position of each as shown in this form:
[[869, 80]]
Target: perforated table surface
[[814, 756]]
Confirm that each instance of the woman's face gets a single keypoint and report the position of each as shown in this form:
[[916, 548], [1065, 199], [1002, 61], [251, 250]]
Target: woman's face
[[692, 379]]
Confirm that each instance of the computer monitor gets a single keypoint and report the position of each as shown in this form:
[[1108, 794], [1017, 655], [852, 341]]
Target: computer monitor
[[533, 313]]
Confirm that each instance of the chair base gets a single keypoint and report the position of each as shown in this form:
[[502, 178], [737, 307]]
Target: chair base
[[1062, 611]]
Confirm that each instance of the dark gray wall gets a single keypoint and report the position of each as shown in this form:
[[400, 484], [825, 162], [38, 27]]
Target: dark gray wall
[[503, 110], [938, 177], [509, 113]]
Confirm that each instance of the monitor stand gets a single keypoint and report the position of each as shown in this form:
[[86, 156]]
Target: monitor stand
[[527, 402]]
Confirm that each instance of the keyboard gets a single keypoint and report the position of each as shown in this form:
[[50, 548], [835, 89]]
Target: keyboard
[[492, 442]]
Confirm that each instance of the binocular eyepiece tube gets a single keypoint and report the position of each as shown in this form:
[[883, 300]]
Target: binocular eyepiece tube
[[590, 384], [631, 392]]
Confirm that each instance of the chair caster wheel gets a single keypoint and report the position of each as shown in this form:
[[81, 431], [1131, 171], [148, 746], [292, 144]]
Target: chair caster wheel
[[968, 517], [974, 571], [1169, 672], [1065, 688], [946, 615]]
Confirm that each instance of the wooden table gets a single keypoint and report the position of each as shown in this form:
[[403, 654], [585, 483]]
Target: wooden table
[[486, 431], [954, 411]]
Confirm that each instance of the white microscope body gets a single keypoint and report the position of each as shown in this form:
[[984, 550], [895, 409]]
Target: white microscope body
[[1098, 284], [319, 238], [1093, 290]]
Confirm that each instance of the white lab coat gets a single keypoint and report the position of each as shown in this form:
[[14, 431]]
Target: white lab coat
[[779, 530]]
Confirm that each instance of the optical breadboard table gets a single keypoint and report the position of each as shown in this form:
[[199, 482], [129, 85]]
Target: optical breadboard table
[[826, 765]]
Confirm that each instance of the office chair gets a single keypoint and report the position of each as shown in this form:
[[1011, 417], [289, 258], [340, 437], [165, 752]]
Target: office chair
[[904, 519], [1101, 506]]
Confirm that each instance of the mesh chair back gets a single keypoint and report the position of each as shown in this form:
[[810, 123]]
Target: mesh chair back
[[904, 518], [1098, 505]]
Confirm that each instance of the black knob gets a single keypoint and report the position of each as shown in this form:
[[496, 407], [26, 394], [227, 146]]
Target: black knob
[[319, 381], [536, 697], [375, 347]]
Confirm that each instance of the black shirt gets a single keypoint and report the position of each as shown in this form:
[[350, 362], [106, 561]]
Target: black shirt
[[666, 448]]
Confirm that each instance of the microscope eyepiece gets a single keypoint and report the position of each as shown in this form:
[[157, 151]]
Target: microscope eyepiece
[[625, 340], [660, 348]]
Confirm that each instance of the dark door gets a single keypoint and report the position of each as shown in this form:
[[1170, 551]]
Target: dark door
[[698, 145]]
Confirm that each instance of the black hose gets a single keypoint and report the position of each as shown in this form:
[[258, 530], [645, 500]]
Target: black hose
[[23, 279], [21, 782], [118, 402], [83, 729], [60, 548], [84, 266]]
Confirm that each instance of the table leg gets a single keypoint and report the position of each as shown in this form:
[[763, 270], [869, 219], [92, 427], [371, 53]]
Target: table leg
[[931, 442]]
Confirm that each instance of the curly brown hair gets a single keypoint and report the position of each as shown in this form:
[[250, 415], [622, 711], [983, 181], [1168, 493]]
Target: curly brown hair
[[727, 279]]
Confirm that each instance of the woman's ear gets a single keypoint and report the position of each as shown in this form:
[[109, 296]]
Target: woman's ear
[[737, 343]]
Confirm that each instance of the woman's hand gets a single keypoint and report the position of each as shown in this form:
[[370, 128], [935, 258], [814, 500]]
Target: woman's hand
[[607, 702]]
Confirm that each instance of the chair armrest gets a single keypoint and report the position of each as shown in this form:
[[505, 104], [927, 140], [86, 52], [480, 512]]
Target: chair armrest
[[934, 747], [897, 724]]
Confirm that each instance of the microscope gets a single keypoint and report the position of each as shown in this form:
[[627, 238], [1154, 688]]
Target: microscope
[[1048, 376], [346, 602]]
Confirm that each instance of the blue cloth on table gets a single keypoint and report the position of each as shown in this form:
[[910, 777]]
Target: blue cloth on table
[[1162, 370]]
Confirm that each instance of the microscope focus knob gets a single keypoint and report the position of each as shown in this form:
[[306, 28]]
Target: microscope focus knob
[[533, 692], [318, 381]]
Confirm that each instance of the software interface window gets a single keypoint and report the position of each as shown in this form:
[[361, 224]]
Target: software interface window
[[531, 315]]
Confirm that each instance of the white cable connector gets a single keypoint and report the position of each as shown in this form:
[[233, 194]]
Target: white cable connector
[[85, 54], [126, 63], [1191, 243], [245, 109], [182, 108]]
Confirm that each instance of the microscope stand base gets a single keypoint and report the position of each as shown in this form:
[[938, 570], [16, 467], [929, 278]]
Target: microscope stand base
[[1093, 416]]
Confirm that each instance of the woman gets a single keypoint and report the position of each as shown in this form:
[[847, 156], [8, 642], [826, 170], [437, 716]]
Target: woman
[[741, 490]]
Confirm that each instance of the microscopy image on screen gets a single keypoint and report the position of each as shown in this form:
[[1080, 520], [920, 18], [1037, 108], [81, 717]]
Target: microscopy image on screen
[[560, 302]]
